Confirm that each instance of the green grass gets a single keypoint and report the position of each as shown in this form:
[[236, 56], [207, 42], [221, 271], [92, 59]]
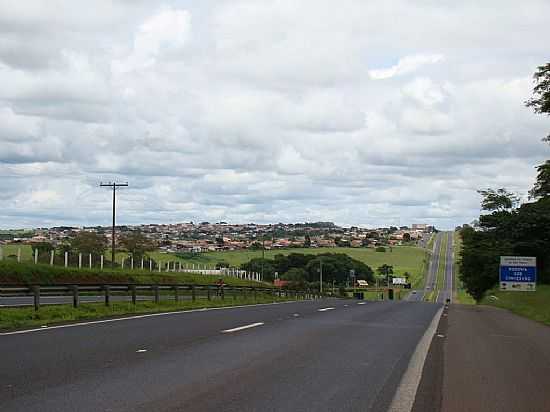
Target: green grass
[[11, 249], [28, 273], [533, 305], [17, 318], [403, 258]]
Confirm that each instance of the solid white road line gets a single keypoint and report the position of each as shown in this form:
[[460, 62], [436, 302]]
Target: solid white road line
[[403, 400], [325, 309], [148, 315], [252, 325], [361, 303]]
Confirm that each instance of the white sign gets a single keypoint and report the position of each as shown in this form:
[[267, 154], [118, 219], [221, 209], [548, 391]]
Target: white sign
[[399, 281], [518, 273]]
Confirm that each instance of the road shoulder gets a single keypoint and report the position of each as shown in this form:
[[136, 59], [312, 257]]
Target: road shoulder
[[487, 359]]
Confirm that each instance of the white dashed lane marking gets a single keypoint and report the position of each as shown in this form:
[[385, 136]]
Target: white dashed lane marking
[[325, 309], [252, 325]]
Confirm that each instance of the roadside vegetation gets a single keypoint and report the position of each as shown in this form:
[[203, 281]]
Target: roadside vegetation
[[461, 295], [508, 228], [27, 273], [18, 318], [533, 305]]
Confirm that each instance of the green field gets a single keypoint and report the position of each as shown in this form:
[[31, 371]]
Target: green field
[[402, 258], [533, 305], [26, 251], [16, 318]]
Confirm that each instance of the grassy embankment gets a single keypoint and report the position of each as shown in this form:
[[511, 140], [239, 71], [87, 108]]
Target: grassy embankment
[[16, 318], [27, 273], [533, 305]]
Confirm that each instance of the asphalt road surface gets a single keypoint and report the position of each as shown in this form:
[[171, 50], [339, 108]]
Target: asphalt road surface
[[446, 289], [486, 359], [325, 355], [431, 276]]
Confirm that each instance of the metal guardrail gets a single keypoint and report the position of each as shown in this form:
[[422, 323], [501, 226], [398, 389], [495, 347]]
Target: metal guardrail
[[157, 291]]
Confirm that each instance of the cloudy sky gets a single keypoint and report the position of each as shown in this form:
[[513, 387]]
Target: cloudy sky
[[358, 112]]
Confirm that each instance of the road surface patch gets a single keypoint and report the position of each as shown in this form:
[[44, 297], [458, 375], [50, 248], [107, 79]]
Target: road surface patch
[[403, 399], [237, 329]]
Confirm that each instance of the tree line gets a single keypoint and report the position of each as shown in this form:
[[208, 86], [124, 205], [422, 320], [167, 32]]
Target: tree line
[[302, 268], [509, 228]]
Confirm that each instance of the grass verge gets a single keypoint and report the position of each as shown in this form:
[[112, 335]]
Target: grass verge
[[28, 273], [18, 318], [532, 305]]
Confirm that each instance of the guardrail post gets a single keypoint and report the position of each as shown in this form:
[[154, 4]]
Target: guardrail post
[[222, 291], [75, 296], [208, 292], [133, 290], [254, 290], [52, 257], [157, 294], [107, 295], [193, 293], [176, 294], [36, 292]]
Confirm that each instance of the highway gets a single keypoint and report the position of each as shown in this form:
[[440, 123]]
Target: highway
[[446, 289], [325, 355], [431, 276]]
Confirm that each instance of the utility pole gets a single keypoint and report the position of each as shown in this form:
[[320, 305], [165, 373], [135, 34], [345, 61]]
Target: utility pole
[[114, 185], [321, 276], [263, 254]]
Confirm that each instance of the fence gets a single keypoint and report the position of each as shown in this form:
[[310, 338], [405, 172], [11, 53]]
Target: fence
[[154, 292], [90, 261]]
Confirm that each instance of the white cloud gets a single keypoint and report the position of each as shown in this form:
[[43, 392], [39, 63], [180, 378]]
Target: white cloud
[[270, 111], [405, 65]]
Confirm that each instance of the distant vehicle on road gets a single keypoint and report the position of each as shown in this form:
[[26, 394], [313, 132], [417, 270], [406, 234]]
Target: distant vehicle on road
[[414, 292]]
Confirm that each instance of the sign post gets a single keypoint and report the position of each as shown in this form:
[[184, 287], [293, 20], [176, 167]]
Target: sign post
[[518, 273]]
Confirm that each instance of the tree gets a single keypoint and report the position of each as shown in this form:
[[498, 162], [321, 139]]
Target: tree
[[297, 275], [137, 244], [42, 247], [499, 199], [89, 243], [307, 241], [385, 270], [407, 237], [255, 265], [256, 246], [541, 100], [542, 185]]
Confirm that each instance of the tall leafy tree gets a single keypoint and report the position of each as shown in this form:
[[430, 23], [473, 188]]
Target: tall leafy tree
[[542, 185], [89, 242], [137, 244], [540, 102], [498, 200]]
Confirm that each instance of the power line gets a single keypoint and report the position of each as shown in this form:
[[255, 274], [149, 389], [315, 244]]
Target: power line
[[114, 185]]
